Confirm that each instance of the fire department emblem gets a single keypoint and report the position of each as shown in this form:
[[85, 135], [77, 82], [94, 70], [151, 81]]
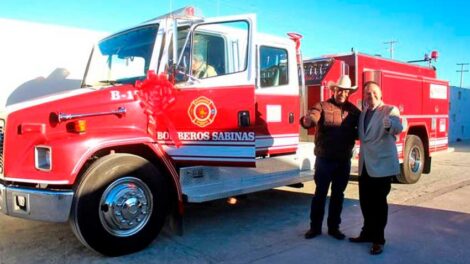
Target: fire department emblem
[[202, 111]]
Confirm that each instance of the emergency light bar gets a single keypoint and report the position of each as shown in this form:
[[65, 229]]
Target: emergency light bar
[[188, 12]]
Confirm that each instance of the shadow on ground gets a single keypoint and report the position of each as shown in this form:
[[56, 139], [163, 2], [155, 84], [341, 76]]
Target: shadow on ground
[[266, 227], [461, 146]]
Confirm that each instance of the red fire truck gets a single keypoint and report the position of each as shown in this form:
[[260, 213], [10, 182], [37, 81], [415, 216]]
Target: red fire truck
[[421, 98], [188, 109]]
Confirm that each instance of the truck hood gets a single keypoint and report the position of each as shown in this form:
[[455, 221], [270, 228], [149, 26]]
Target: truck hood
[[47, 98]]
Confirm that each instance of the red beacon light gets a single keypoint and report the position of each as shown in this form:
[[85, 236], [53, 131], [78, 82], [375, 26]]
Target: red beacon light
[[428, 58], [434, 55], [189, 11]]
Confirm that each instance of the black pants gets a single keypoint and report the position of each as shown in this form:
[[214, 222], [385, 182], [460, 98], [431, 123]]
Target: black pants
[[337, 173], [373, 199]]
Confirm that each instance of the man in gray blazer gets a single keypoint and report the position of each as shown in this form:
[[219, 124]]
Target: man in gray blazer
[[378, 163]]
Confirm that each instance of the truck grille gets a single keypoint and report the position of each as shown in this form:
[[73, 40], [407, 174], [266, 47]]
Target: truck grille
[[2, 128]]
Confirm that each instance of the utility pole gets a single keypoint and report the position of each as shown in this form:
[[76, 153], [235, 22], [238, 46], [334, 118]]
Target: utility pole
[[461, 72], [391, 43]]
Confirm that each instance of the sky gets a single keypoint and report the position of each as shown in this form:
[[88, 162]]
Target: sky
[[329, 26]]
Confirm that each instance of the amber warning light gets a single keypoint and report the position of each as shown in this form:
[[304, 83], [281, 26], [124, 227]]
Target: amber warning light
[[77, 126], [80, 126]]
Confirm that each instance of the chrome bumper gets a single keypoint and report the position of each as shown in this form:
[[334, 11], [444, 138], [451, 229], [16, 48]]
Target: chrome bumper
[[36, 204]]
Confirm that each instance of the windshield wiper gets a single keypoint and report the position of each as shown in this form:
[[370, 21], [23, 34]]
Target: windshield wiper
[[111, 82]]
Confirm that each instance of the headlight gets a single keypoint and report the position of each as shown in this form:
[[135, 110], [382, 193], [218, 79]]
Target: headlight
[[43, 157]]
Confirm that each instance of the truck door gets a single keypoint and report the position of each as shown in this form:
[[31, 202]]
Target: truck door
[[277, 100], [214, 110]]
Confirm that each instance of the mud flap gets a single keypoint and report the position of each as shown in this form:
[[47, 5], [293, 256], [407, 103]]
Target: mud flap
[[175, 224], [427, 165]]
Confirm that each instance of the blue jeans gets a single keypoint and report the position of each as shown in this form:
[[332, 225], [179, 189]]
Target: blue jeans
[[335, 172]]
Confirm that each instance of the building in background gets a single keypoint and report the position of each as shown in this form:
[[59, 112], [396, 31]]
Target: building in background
[[459, 114], [39, 59]]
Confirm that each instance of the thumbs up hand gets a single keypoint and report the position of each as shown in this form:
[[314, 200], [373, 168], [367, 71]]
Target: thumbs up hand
[[387, 122]]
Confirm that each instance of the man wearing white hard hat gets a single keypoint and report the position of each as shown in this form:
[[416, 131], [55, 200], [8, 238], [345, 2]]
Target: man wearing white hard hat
[[336, 123]]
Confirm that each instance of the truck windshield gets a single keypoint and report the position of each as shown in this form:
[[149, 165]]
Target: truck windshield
[[121, 58]]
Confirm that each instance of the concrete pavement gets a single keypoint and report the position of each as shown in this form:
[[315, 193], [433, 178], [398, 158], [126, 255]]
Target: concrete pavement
[[435, 231]]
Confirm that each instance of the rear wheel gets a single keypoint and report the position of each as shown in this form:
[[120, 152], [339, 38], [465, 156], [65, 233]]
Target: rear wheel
[[120, 205], [413, 160]]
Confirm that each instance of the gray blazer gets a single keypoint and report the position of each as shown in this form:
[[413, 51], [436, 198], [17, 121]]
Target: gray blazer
[[378, 149]]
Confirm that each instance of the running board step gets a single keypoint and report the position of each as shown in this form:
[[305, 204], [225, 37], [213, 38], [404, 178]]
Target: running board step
[[243, 185]]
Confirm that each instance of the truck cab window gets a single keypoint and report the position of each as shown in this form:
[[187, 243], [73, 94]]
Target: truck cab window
[[208, 58], [219, 49], [273, 67]]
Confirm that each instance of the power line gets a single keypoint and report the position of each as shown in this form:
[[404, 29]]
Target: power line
[[391, 43], [462, 71]]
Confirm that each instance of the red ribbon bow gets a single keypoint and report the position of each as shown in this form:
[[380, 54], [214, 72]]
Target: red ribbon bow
[[157, 94]]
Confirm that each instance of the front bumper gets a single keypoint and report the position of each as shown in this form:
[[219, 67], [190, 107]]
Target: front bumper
[[35, 204]]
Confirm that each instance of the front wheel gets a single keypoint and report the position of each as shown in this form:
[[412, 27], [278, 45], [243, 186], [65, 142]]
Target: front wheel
[[413, 160], [120, 205]]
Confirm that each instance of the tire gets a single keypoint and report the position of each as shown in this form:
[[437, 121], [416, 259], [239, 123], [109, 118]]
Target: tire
[[413, 160], [120, 205]]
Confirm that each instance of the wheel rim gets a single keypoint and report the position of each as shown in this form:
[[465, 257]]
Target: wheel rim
[[126, 206], [414, 159]]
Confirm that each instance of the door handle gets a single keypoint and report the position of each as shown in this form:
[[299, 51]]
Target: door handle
[[243, 119], [291, 118]]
